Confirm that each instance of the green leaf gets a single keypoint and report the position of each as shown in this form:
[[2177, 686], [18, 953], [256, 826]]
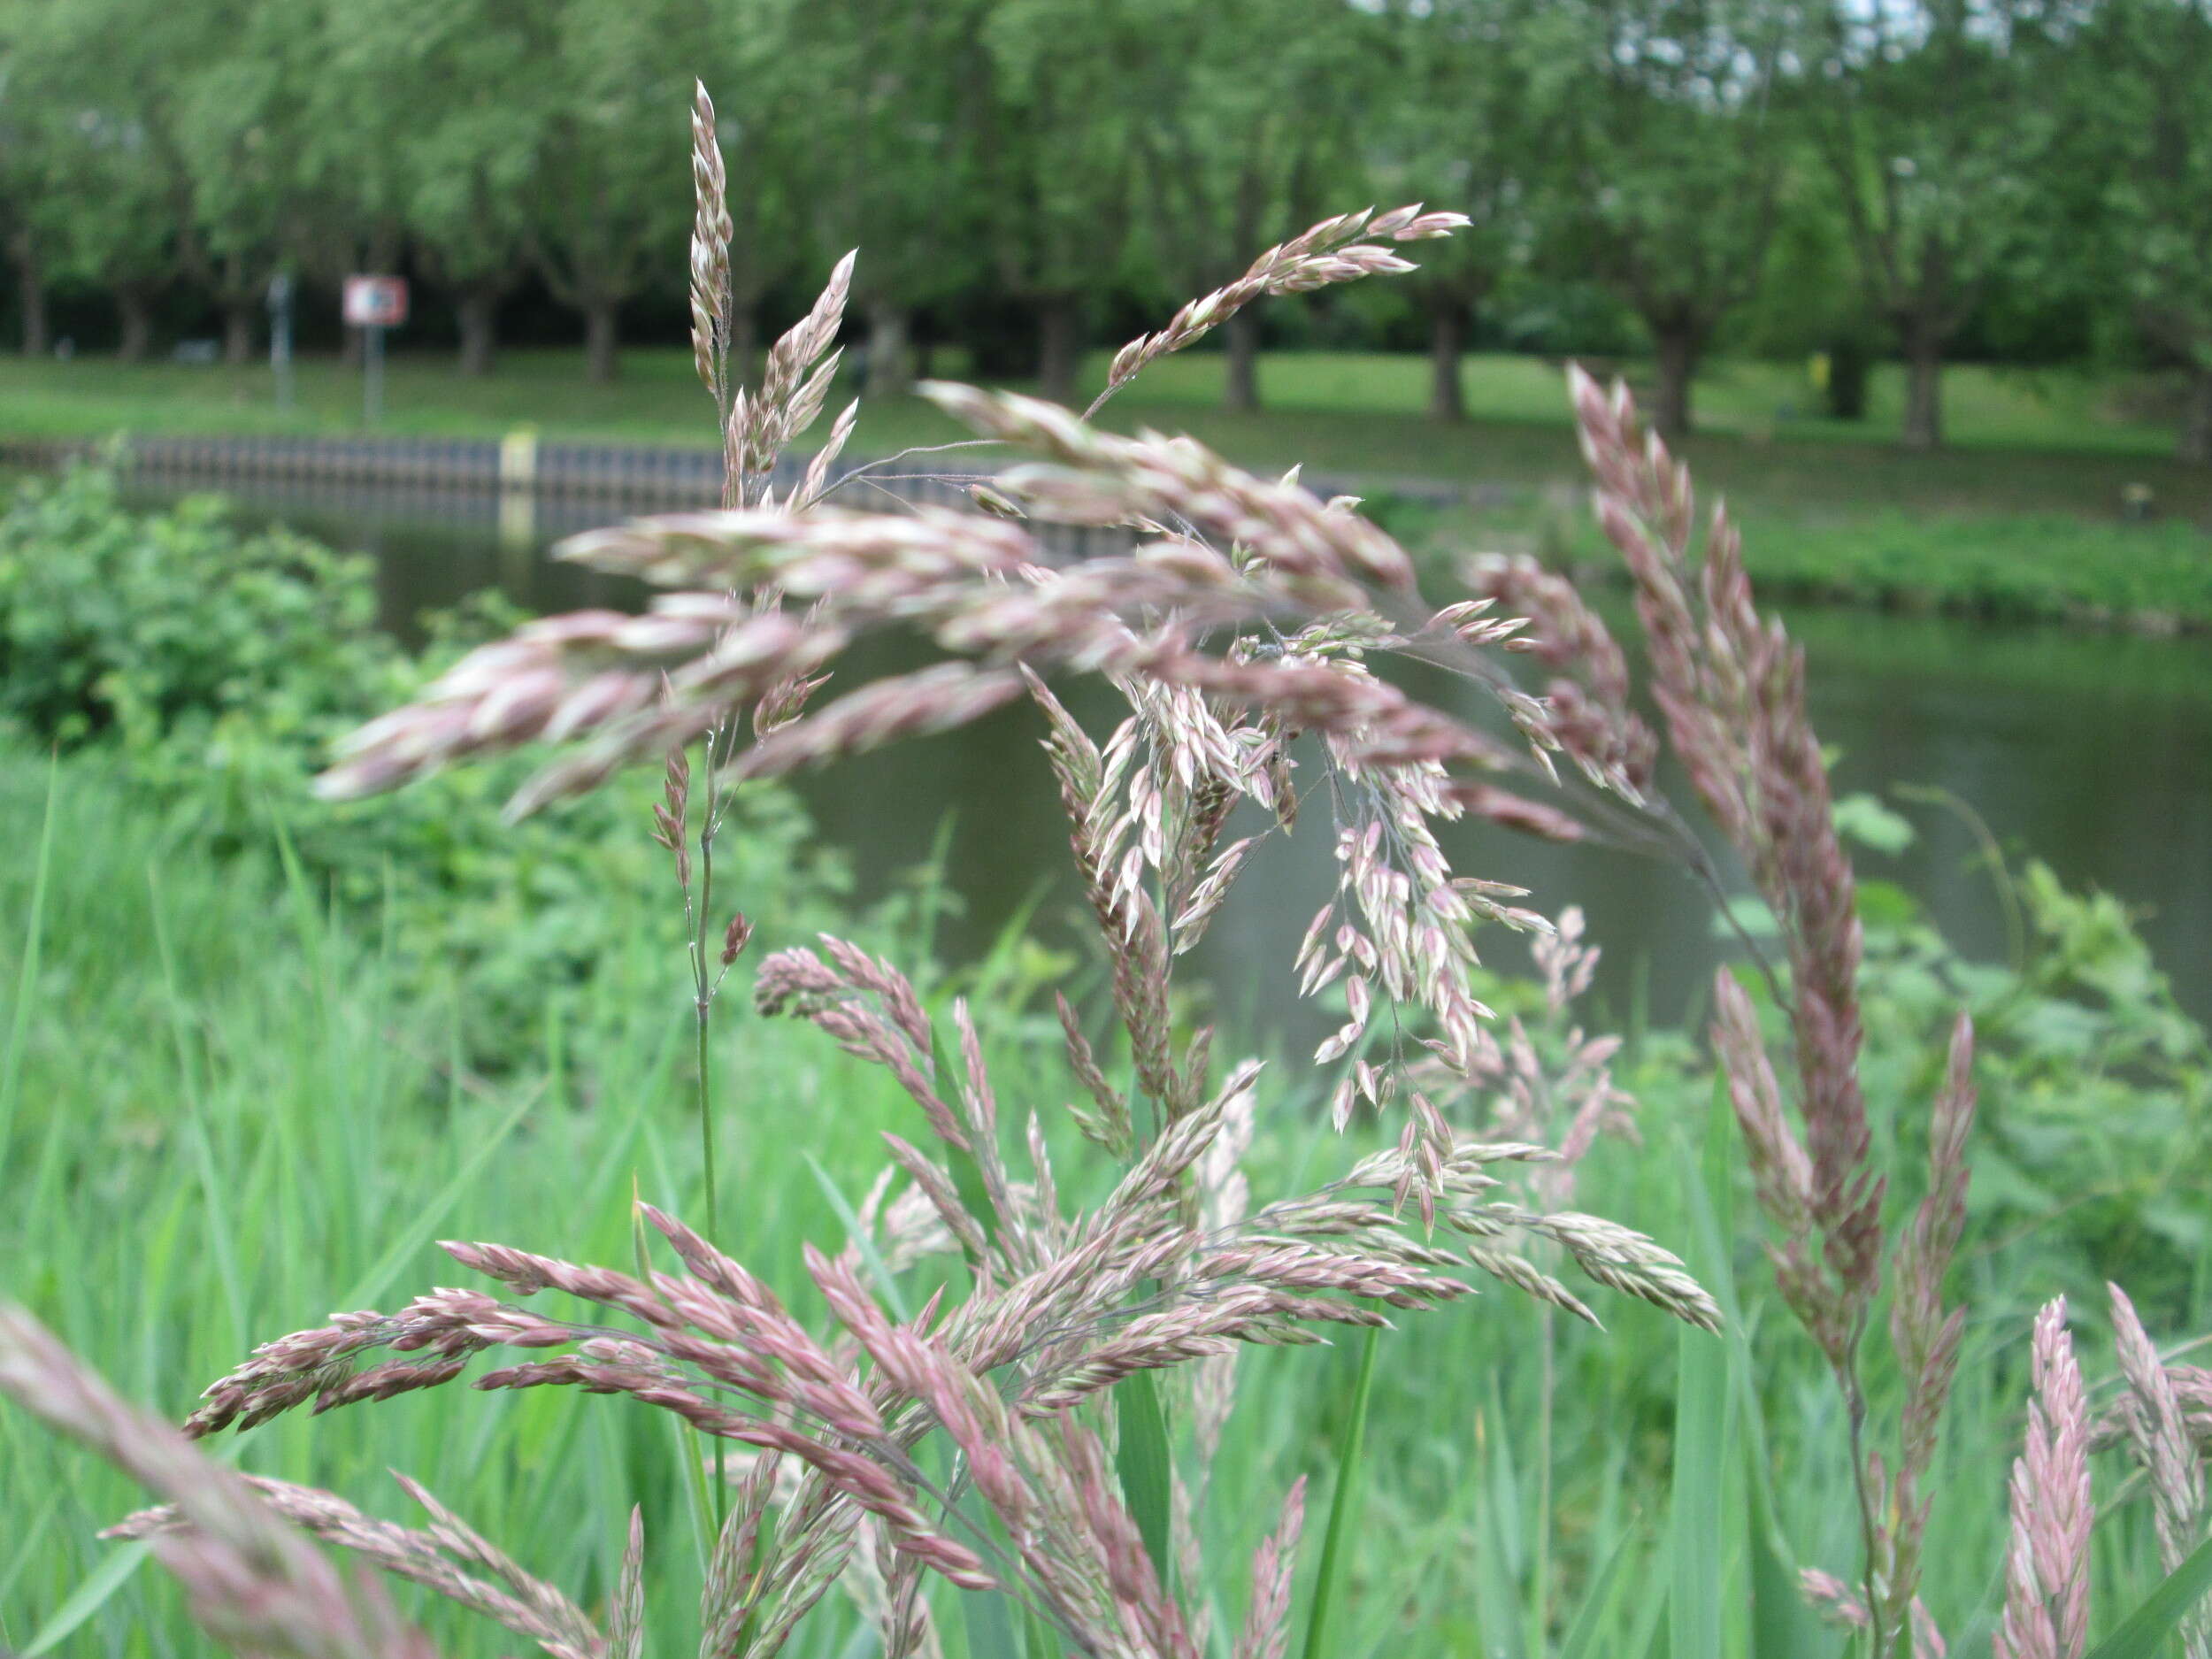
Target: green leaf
[[1142, 1458], [89, 1597], [1864, 820], [1597, 1604], [374, 1283], [1343, 1505], [1705, 1388], [2144, 1633], [112, 1573], [862, 1240], [27, 974]]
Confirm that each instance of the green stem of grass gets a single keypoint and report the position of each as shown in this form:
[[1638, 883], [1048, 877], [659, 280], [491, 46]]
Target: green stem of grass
[[704, 988], [704, 992], [706, 1128], [1344, 1503]]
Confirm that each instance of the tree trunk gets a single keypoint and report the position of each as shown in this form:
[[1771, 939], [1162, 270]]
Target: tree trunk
[[1923, 388], [238, 331], [1059, 347], [890, 371], [1447, 339], [30, 286], [1678, 349], [1847, 378], [138, 325], [2194, 448], [602, 341], [1241, 393], [477, 311]]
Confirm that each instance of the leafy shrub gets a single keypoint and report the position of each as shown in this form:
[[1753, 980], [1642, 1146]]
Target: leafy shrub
[[2096, 1087], [216, 665], [139, 627]]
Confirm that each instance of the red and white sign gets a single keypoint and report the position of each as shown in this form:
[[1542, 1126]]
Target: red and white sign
[[375, 302]]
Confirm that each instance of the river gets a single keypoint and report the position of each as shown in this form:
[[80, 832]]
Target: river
[[2089, 750]]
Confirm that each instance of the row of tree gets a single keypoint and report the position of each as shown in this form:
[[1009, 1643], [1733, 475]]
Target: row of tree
[[1060, 153]]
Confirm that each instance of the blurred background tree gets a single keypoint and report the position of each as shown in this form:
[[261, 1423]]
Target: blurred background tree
[[1827, 183]]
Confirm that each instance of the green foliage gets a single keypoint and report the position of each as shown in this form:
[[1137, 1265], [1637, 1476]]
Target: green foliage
[[138, 629], [2146, 115], [2096, 1088], [217, 666]]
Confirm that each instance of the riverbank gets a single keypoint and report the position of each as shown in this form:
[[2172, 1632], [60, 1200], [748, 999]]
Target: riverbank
[[2056, 503], [2153, 578]]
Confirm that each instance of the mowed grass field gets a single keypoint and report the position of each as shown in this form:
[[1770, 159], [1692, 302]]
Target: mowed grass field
[[2023, 442]]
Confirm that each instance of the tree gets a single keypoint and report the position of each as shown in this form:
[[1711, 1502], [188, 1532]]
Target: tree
[[611, 197], [1060, 163], [900, 110], [238, 121], [1924, 116], [2149, 121], [97, 77], [346, 214], [1676, 162], [464, 159], [1474, 114], [34, 206], [1244, 135]]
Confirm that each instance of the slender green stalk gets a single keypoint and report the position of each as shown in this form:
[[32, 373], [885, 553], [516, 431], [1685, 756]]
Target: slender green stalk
[[704, 1002], [1539, 1596], [706, 1128], [1344, 1503]]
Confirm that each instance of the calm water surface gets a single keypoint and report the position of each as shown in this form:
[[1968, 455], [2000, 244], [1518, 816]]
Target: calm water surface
[[2087, 750]]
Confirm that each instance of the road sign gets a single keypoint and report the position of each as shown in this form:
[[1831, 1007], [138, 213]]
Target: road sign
[[375, 302]]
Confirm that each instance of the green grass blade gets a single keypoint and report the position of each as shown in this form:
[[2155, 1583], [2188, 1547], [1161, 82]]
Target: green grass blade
[[2144, 1633], [1597, 1604], [111, 1574], [26, 971], [1705, 1385], [863, 1241], [1343, 1503], [1693, 1543], [1141, 1460], [87, 1598], [990, 1619], [374, 1283]]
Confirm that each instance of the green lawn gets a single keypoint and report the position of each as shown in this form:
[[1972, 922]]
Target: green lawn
[[2042, 443]]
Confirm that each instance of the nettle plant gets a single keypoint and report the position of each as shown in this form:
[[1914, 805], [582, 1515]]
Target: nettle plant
[[1040, 1424]]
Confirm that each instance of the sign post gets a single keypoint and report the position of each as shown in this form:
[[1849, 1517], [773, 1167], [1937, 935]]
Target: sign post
[[373, 303], [280, 335]]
